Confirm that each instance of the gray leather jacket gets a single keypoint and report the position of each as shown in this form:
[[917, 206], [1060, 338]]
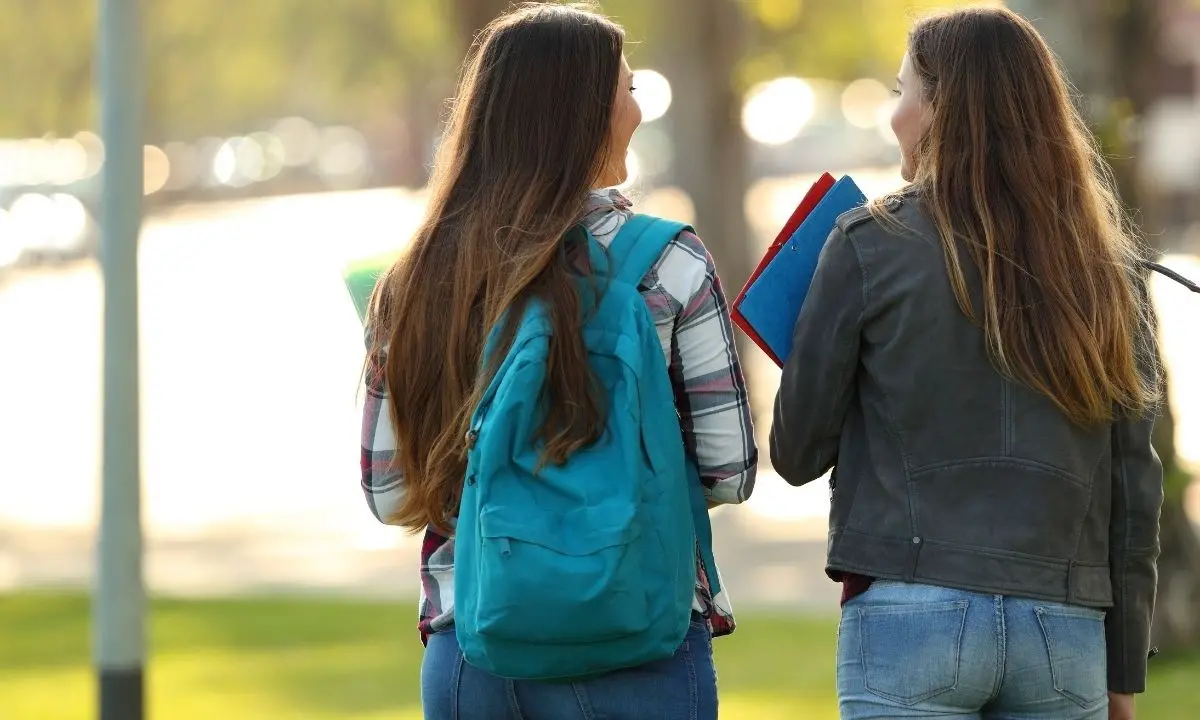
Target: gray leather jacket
[[946, 472]]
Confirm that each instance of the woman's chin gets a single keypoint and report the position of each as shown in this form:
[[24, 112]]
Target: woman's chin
[[613, 179]]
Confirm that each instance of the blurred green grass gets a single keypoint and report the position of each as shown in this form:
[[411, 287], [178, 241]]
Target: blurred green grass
[[313, 659]]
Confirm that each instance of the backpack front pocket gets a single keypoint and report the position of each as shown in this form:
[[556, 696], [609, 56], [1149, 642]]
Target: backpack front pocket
[[575, 578]]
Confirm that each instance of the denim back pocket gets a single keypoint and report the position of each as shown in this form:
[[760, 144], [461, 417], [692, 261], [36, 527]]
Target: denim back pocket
[[910, 653], [1078, 656]]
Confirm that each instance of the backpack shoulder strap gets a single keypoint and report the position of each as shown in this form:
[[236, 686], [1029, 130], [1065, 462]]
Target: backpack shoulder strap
[[632, 253], [639, 244]]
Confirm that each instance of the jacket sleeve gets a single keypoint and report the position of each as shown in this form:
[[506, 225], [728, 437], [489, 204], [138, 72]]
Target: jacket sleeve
[[819, 374], [1137, 497]]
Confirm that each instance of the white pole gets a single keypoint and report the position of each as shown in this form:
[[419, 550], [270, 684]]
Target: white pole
[[119, 604]]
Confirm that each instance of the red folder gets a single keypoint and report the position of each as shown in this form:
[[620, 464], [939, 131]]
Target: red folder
[[811, 198]]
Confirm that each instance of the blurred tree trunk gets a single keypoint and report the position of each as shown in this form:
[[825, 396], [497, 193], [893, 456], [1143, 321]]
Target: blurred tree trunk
[[468, 18], [1111, 51], [471, 16], [702, 42], [420, 117]]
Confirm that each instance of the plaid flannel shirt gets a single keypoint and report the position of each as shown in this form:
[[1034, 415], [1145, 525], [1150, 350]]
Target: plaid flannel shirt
[[690, 312]]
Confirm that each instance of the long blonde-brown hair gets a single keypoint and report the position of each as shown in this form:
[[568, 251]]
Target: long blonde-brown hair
[[527, 139], [1009, 170]]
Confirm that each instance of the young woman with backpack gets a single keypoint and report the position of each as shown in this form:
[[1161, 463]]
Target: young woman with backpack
[[554, 397]]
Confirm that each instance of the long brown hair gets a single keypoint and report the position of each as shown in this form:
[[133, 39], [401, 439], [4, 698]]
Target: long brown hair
[[527, 139], [1009, 169]]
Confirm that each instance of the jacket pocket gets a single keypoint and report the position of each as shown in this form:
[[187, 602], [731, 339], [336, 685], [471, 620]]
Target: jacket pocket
[[1078, 657], [910, 653]]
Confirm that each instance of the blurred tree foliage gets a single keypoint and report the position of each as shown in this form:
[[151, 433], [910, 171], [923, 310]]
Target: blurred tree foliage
[[46, 66], [833, 39], [223, 66], [216, 65]]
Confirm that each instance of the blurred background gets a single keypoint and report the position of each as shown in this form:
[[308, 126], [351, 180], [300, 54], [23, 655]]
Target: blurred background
[[286, 141]]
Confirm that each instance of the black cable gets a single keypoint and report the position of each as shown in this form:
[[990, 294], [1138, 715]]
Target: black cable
[[1171, 274]]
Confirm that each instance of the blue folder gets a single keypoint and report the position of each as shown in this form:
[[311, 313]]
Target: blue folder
[[772, 304]]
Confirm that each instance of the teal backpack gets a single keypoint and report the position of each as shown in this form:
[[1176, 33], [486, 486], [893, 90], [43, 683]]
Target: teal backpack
[[569, 571]]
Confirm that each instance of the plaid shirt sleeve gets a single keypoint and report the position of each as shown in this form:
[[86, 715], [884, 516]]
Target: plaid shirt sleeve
[[710, 390], [382, 481]]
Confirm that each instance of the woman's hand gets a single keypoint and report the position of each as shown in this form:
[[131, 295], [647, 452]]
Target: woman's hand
[[1120, 707]]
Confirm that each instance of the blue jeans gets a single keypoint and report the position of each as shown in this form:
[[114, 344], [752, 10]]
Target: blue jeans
[[919, 651], [681, 687]]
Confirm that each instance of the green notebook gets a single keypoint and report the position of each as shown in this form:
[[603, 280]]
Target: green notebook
[[361, 276]]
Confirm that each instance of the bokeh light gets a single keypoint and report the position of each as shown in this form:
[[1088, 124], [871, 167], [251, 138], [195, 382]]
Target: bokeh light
[[777, 111], [156, 168], [273, 154], [10, 243], [342, 156], [861, 101], [184, 163], [653, 93], [224, 167], [67, 162], [300, 140], [93, 147], [633, 166]]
